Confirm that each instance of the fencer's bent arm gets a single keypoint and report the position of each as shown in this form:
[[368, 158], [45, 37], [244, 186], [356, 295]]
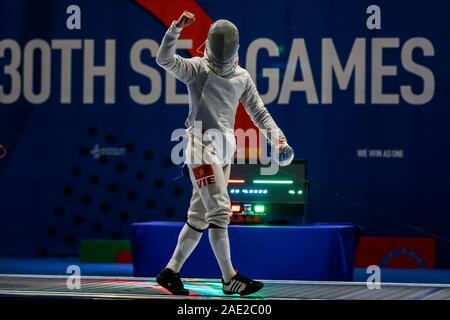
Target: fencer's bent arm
[[181, 68], [255, 107]]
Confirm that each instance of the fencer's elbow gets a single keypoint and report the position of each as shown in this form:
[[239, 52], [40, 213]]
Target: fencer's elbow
[[260, 115], [160, 60]]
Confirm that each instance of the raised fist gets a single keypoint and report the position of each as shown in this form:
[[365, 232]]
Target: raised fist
[[185, 19]]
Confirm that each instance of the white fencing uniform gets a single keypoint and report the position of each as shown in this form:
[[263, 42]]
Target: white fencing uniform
[[213, 100]]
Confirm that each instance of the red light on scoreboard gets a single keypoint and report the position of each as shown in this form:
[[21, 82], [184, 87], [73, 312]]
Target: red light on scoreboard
[[236, 181], [236, 208]]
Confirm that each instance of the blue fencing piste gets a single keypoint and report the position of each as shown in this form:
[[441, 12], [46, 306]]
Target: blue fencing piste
[[322, 253]]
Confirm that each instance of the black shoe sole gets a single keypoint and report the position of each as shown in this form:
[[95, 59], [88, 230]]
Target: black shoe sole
[[184, 292]]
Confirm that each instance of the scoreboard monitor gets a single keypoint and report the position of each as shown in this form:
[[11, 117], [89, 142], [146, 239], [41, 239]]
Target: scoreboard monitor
[[268, 199]]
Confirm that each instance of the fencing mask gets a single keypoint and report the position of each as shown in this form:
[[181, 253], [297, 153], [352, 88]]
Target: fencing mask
[[222, 47]]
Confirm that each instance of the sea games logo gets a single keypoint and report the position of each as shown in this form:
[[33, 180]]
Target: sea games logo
[[98, 151]]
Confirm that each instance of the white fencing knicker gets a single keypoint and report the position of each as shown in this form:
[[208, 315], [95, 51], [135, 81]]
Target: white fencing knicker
[[210, 202]]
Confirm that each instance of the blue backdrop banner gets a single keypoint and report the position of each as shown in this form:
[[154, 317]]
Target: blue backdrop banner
[[86, 115]]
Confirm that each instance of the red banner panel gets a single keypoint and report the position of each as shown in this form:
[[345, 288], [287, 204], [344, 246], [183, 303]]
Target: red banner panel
[[396, 252]]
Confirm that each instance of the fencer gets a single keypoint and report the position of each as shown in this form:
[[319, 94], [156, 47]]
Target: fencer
[[216, 84]]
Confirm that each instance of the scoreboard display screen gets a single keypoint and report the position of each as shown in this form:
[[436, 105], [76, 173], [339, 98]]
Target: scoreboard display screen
[[268, 199]]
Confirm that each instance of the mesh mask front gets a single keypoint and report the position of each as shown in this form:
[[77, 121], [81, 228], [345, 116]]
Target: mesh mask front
[[222, 46]]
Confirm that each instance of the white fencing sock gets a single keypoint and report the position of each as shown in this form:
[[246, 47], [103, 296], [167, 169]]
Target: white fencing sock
[[187, 241], [218, 237]]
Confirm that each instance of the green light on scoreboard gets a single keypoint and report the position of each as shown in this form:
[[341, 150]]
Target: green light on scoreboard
[[273, 181], [259, 208], [293, 192]]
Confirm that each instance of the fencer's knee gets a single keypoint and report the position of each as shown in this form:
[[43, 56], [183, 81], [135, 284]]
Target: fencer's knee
[[219, 220], [194, 227], [196, 223], [215, 226]]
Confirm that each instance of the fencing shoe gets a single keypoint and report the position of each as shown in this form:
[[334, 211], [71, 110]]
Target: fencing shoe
[[241, 285], [172, 282]]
